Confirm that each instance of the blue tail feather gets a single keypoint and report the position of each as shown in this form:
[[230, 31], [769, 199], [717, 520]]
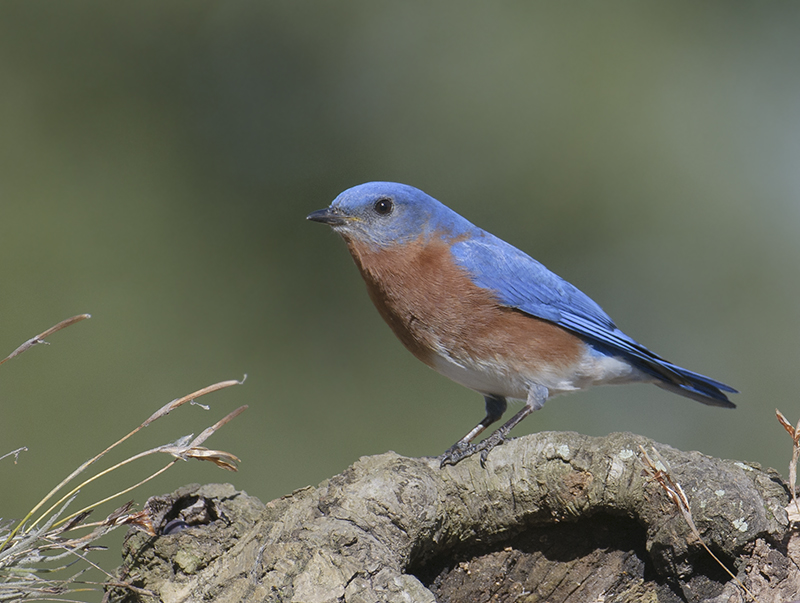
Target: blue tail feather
[[668, 376], [682, 381]]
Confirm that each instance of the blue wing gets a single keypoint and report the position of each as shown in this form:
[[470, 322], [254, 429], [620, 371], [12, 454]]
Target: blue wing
[[521, 282]]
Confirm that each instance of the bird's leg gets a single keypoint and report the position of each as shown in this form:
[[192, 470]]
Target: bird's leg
[[495, 407], [537, 395]]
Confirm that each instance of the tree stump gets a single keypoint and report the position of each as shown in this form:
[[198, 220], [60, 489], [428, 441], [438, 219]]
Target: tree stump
[[556, 517]]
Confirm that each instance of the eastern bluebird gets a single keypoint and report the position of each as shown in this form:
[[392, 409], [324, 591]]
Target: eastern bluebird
[[485, 314]]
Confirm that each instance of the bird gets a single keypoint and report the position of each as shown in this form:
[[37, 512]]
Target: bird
[[478, 310]]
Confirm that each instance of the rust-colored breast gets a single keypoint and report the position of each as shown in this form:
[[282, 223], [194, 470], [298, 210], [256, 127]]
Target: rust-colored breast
[[434, 308]]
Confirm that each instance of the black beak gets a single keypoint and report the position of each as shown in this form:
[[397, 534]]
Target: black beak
[[326, 216]]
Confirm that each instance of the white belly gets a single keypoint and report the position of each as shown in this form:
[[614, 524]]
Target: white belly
[[502, 378]]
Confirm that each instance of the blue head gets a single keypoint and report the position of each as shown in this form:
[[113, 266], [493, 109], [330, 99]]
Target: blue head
[[386, 213]]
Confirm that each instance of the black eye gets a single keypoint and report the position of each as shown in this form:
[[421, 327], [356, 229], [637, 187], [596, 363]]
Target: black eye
[[384, 206]]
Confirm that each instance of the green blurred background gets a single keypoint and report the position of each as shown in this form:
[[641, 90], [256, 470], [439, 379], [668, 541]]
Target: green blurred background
[[158, 159]]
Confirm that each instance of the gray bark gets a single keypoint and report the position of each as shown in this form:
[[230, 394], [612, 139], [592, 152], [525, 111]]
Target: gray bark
[[556, 517]]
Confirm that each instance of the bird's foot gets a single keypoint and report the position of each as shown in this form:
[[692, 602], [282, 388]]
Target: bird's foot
[[487, 445], [461, 449], [457, 452]]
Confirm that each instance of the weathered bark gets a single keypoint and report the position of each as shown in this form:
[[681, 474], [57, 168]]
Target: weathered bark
[[556, 517]]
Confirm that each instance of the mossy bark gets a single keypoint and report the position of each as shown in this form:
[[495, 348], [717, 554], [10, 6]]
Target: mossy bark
[[556, 517]]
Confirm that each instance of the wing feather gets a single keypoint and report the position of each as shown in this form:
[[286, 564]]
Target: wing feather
[[521, 282]]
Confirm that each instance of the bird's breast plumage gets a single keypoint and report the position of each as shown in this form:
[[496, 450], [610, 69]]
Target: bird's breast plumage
[[458, 328]]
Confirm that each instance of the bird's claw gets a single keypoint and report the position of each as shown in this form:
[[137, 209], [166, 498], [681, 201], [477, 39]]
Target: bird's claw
[[487, 445], [461, 450], [457, 452]]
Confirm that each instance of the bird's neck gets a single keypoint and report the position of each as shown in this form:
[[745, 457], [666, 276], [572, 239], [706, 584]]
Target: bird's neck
[[396, 271]]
